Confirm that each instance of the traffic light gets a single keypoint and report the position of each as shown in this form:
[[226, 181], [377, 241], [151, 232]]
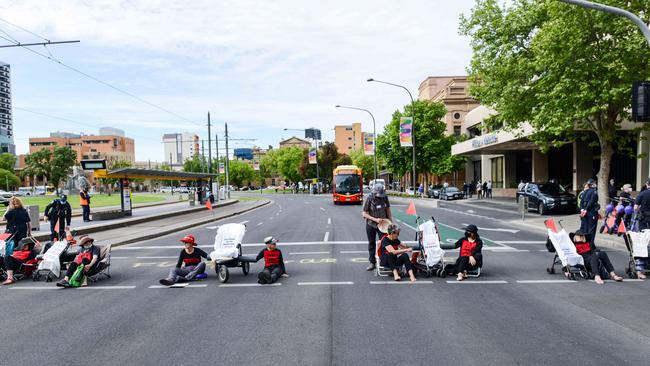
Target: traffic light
[[641, 101]]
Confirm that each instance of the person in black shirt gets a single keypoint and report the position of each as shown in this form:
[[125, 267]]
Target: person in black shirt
[[589, 211], [611, 192], [189, 263], [59, 212], [375, 210], [594, 258], [394, 254], [18, 220], [273, 262], [88, 256], [643, 206]]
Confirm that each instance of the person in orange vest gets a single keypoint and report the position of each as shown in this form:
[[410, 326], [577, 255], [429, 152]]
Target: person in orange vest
[[84, 202]]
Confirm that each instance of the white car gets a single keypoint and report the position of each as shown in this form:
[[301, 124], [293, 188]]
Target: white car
[[183, 190], [6, 194], [166, 189]]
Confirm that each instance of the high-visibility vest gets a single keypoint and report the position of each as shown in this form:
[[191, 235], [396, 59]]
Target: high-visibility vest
[[83, 201]]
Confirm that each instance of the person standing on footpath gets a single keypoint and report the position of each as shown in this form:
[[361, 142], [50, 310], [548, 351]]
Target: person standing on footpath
[[375, 210], [489, 188], [589, 211], [84, 202], [18, 221], [643, 206], [612, 192], [59, 211]]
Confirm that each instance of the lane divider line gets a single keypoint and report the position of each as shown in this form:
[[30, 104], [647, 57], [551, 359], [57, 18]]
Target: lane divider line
[[248, 285], [479, 282], [322, 209], [308, 253], [403, 282], [353, 252], [159, 257], [546, 281], [179, 285], [325, 283], [329, 221]]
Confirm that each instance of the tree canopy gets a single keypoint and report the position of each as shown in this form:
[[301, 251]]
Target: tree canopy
[[564, 69], [55, 165], [240, 173], [8, 179], [365, 162], [7, 161], [196, 164], [288, 163]]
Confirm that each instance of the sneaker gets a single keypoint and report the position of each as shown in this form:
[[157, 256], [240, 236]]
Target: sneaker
[[371, 267], [166, 282], [261, 278], [63, 283]]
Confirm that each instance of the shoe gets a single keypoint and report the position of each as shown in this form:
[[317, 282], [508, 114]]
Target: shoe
[[63, 283], [261, 278], [166, 282], [371, 267], [267, 277]]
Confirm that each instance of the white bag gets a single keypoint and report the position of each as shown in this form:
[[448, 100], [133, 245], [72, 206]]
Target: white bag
[[431, 243], [228, 237], [51, 258], [640, 243], [565, 249]]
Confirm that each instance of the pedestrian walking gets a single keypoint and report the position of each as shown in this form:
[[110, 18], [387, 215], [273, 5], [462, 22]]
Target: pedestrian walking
[[612, 192], [471, 189], [59, 213], [376, 209], [479, 189], [486, 193], [421, 190], [489, 188], [84, 202], [643, 206], [589, 211], [18, 221]]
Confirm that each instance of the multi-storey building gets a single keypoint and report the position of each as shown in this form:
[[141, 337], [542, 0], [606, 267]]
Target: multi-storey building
[[109, 147], [453, 92], [348, 138], [179, 147], [6, 121]]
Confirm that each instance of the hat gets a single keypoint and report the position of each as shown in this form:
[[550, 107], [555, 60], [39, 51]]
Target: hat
[[578, 232], [383, 226], [85, 240], [189, 239], [378, 190], [393, 228], [472, 229], [590, 181], [270, 240]]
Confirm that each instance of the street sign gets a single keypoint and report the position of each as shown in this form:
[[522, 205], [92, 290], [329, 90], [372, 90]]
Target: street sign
[[641, 101]]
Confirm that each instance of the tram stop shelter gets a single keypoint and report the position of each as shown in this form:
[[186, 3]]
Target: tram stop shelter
[[125, 175]]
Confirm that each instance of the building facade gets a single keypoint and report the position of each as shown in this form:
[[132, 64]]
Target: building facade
[[179, 147], [295, 142], [348, 138], [453, 92], [6, 119], [109, 147]]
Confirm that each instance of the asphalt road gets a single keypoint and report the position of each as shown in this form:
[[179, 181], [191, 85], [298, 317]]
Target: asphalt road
[[330, 311]]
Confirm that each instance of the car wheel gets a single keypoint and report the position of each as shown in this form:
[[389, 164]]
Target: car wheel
[[541, 209]]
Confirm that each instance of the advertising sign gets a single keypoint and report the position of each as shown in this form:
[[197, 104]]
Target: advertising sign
[[312, 155], [222, 169], [368, 143], [406, 131], [256, 165]]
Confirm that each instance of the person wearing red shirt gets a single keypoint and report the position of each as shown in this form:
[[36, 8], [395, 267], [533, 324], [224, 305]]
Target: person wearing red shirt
[[594, 258], [470, 255], [394, 253], [273, 262], [189, 263]]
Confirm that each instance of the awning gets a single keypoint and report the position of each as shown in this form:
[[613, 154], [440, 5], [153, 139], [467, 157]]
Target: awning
[[135, 173]]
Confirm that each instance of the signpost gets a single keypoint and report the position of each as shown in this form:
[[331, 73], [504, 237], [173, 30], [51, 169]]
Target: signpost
[[125, 197]]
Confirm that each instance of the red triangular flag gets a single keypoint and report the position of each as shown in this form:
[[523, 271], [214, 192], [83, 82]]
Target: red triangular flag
[[208, 204], [550, 224], [56, 226], [621, 228], [411, 209], [611, 221]]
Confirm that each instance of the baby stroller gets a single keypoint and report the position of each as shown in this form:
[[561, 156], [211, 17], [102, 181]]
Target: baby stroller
[[28, 267], [430, 258], [227, 251], [637, 247], [566, 256], [49, 267]]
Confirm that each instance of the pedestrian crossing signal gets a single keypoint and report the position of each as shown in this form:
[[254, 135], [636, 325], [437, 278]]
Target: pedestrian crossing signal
[[641, 101]]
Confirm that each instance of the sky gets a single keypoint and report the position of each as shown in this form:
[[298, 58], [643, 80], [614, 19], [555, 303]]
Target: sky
[[261, 66]]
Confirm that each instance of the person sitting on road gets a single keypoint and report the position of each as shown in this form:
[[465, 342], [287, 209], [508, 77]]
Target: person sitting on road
[[88, 256], [23, 252], [470, 255], [273, 262], [594, 258], [189, 263], [394, 253]]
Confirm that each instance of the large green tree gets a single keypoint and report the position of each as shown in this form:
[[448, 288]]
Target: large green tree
[[288, 162], [433, 147], [7, 161], [8, 180], [240, 173], [269, 164], [196, 164], [54, 166], [365, 162], [564, 69]]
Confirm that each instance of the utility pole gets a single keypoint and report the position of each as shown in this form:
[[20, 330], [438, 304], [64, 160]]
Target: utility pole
[[209, 151], [216, 139], [203, 167], [227, 166]]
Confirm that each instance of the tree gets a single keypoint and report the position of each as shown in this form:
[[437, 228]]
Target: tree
[[288, 161], [8, 179], [433, 147], [566, 70], [365, 162], [269, 164], [240, 172], [7, 161], [52, 165], [327, 157], [196, 164]]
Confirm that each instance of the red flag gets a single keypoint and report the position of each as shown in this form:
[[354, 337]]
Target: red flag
[[208, 204], [411, 209], [621, 228], [550, 224]]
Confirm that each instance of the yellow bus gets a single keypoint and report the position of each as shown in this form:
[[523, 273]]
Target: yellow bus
[[347, 185]]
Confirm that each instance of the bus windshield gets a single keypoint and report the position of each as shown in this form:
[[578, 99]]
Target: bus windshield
[[347, 183]]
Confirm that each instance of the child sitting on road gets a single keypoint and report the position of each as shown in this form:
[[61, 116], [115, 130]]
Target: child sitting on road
[[189, 263], [273, 262]]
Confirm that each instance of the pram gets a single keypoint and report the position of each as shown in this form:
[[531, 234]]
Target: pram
[[566, 256], [637, 247], [28, 267], [49, 267], [430, 258], [227, 251]]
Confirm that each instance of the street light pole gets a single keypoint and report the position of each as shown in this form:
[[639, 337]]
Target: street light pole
[[613, 10], [412, 126], [374, 133]]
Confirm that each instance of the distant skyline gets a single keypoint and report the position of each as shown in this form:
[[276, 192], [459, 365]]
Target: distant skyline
[[262, 66]]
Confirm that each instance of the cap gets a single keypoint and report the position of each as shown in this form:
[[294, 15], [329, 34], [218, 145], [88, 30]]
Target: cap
[[590, 181], [378, 190], [578, 232], [472, 229], [270, 240], [189, 239], [393, 228]]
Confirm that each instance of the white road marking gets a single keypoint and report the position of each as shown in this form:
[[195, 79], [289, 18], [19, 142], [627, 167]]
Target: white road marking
[[325, 283], [211, 227], [479, 282], [470, 211], [521, 242], [403, 282], [546, 281], [513, 231], [259, 223], [243, 222], [248, 285], [106, 288], [307, 253], [180, 285], [159, 257], [119, 257], [271, 218], [625, 280], [327, 236], [36, 288], [322, 209], [353, 252], [329, 221]]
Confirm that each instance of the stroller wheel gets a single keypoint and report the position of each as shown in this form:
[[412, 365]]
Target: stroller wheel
[[222, 273], [245, 268]]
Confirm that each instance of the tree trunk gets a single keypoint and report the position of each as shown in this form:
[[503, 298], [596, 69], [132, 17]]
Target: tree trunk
[[606, 153]]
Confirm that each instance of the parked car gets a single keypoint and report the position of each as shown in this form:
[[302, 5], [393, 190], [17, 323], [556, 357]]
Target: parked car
[[547, 197], [166, 189], [451, 193], [434, 191], [182, 190], [4, 201], [6, 194]]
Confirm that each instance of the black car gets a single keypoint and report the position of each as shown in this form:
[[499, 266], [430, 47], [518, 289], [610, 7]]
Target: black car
[[451, 193], [434, 191], [547, 197]]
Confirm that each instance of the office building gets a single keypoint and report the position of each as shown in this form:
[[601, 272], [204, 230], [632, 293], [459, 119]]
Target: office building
[[179, 147], [348, 138], [109, 147], [6, 120], [453, 92]]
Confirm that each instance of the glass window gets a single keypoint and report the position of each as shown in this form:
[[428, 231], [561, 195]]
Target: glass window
[[497, 172], [456, 130]]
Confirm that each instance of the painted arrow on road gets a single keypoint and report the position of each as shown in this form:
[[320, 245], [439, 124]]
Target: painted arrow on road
[[513, 231]]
